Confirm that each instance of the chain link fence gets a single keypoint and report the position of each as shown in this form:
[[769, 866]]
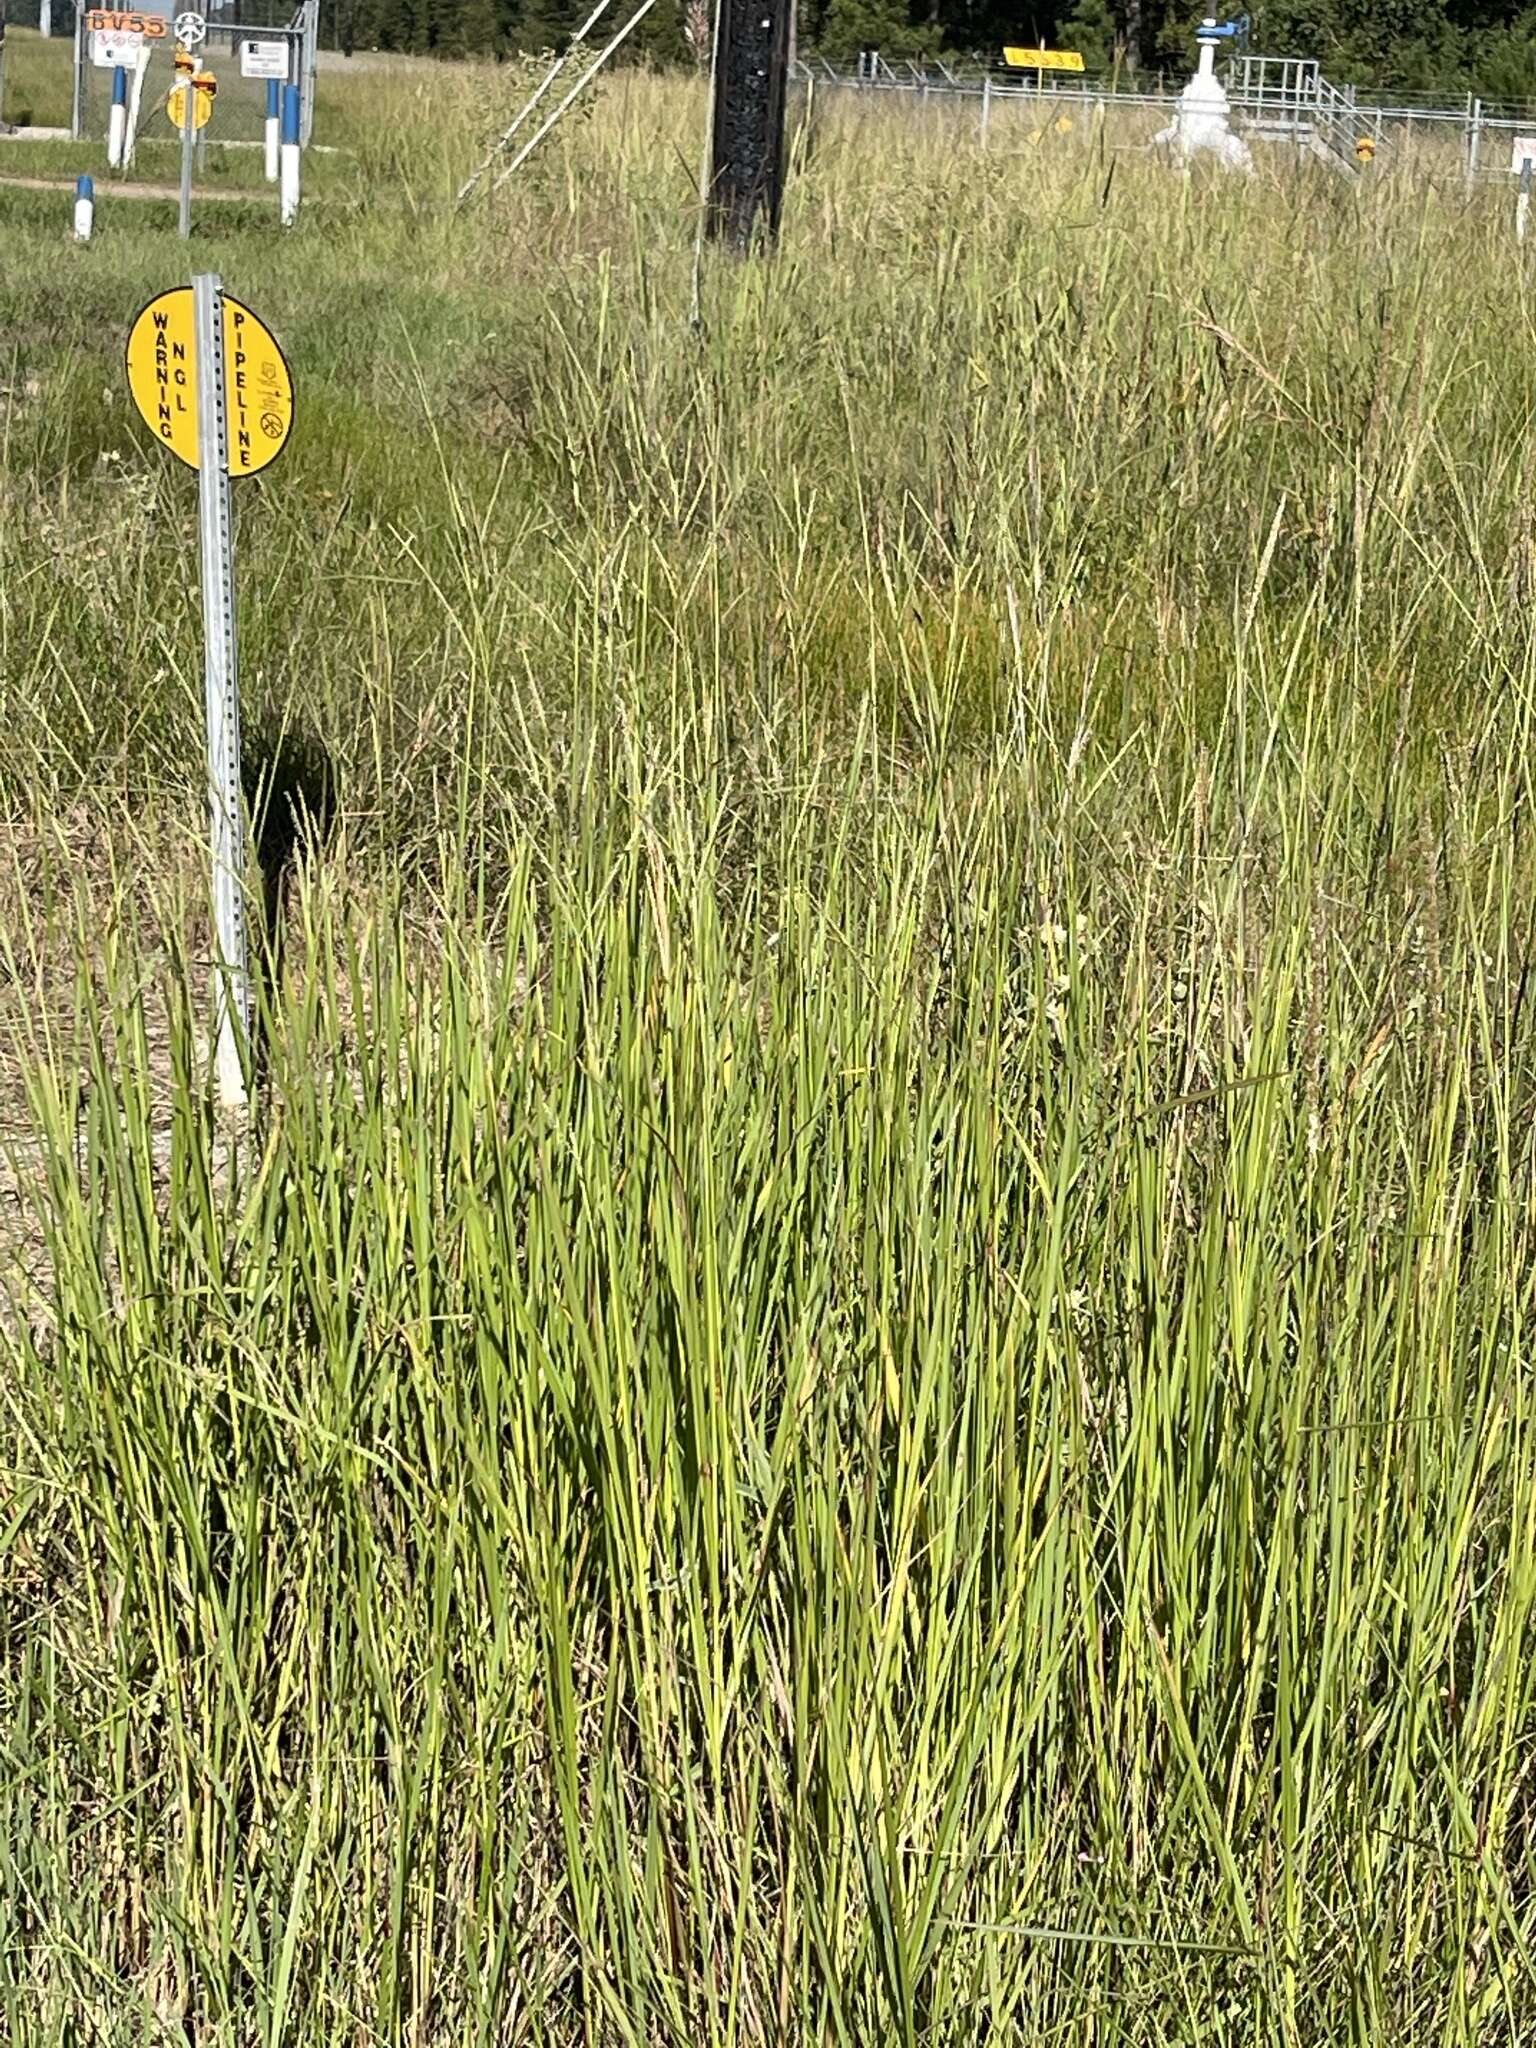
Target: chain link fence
[[243, 55]]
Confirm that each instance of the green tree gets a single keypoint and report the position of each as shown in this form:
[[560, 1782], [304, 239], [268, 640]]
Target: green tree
[[543, 25], [464, 28], [849, 26], [659, 38], [1502, 59], [1091, 28]]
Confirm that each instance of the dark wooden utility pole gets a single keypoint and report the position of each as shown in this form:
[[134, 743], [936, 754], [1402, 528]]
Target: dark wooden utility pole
[[746, 183]]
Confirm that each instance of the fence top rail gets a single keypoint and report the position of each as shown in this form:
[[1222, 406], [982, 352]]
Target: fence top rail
[[1257, 89]]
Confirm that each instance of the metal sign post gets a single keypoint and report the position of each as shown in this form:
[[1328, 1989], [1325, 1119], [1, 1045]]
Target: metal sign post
[[76, 111], [189, 134], [221, 688], [211, 383], [185, 64]]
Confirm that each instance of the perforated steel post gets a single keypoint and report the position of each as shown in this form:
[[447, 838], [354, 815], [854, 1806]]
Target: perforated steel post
[[221, 691]]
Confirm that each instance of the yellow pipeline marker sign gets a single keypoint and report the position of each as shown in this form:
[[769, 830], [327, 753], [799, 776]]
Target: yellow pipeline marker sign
[[202, 89], [1044, 60], [162, 378]]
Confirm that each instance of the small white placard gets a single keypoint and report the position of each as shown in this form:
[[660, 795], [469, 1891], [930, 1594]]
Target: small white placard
[[264, 60], [113, 46], [1524, 147]]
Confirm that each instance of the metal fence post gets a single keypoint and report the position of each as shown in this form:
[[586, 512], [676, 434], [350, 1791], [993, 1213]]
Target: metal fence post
[[986, 106], [311, 61], [76, 107], [1474, 139]]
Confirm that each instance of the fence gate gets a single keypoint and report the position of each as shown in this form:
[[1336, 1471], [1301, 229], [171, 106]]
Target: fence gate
[[243, 54]]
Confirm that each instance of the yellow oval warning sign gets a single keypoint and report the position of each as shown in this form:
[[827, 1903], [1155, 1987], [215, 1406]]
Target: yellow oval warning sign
[[202, 104], [162, 378]]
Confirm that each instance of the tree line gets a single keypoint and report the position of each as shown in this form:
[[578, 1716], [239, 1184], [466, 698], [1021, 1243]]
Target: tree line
[[1440, 47]]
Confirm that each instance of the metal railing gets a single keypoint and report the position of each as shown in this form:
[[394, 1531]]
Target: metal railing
[[1278, 83], [1283, 96], [1277, 97], [1338, 124]]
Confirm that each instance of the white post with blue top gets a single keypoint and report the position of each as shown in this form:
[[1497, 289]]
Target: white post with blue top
[[85, 209], [288, 166], [117, 119], [273, 130]]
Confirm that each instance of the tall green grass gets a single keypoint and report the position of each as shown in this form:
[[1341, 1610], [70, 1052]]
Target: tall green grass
[[861, 1376]]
